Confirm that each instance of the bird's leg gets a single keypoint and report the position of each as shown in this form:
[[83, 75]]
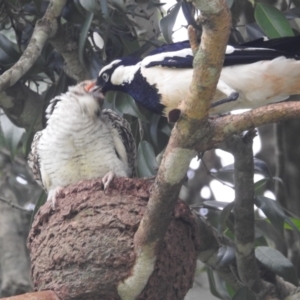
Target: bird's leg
[[53, 194], [224, 88], [107, 179]]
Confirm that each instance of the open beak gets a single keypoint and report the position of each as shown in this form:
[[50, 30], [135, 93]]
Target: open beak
[[95, 90], [89, 85]]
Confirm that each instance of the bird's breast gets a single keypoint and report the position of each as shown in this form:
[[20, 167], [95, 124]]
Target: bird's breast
[[70, 152]]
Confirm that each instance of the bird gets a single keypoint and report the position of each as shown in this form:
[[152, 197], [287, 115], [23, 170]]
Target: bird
[[254, 74], [81, 141]]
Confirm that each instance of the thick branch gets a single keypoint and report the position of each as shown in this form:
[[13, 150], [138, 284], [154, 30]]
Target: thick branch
[[218, 129], [241, 148], [208, 60], [180, 151], [263, 115], [44, 295], [44, 29]]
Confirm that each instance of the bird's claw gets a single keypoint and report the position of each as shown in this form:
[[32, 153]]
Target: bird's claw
[[107, 179], [232, 97], [53, 194]]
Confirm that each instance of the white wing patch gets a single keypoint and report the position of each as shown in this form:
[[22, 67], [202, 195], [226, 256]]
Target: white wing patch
[[124, 74], [161, 56]]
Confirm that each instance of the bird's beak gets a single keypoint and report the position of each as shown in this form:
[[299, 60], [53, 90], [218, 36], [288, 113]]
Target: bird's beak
[[95, 90], [89, 85]]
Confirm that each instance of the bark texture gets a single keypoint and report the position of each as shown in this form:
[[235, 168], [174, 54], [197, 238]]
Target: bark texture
[[85, 248]]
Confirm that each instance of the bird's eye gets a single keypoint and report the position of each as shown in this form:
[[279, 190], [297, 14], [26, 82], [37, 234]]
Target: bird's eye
[[105, 77]]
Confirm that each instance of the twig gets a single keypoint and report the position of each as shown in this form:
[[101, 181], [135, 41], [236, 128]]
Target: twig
[[208, 172], [45, 28], [13, 205]]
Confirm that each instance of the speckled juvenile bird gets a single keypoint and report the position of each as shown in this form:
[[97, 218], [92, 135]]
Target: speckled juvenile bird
[[81, 141]]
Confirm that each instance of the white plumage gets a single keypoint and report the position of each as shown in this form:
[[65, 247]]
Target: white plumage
[[258, 84], [253, 75], [81, 141]]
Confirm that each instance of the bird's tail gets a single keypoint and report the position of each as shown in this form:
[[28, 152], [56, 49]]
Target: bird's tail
[[289, 44]]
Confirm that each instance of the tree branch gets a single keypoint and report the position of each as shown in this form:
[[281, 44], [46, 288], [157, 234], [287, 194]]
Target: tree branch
[[208, 59], [13, 205], [14, 259], [218, 129], [263, 115], [68, 48], [44, 29], [180, 150], [44, 295], [241, 148], [22, 106]]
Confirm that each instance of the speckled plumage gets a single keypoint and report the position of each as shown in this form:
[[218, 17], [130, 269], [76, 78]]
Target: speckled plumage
[[81, 141]]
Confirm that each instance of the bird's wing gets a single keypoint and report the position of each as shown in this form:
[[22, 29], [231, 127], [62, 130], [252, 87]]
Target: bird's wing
[[33, 158], [182, 58], [123, 139], [179, 55], [289, 44], [241, 55], [52, 105]]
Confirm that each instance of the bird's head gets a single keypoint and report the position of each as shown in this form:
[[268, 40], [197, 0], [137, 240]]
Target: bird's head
[[115, 75], [88, 96], [89, 89]]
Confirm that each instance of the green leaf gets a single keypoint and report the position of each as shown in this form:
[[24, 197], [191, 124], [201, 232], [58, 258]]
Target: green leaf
[[276, 262], [225, 256], [291, 224], [147, 165], [125, 104], [260, 183], [153, 128], [244, 294], [295, 222], [8, 54], [165, 127], [216, 290], [129, 45], [230, 290], [12, 134], [9, 47], [272, 21], [273, 211], [55, 89], [270, 233], [262, 168], [41, 201], [166, 24], [229, 3], [90, 5], [28, 137], [224, 216], [215, 204], [104, 8], [212, 283], [83, 35], [38, 4]]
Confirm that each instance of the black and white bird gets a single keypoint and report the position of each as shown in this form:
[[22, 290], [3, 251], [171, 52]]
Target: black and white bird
[[254, 74], [81, 141]]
